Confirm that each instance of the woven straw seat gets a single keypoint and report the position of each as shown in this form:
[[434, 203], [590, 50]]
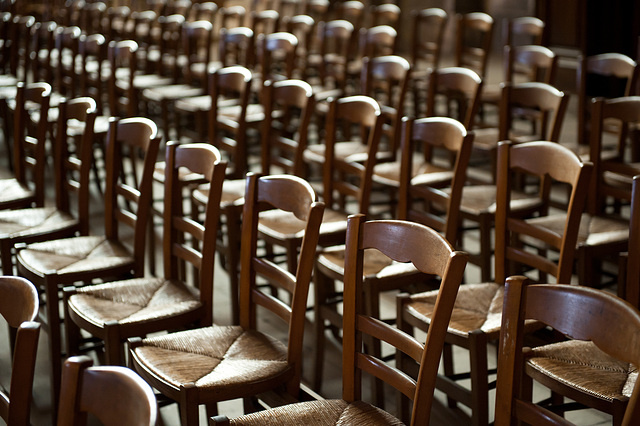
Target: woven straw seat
[[75, 255], [135, 300], [430, 174], [582, 365], [171, 92], [323, 413], [34, 221], [11, 190]]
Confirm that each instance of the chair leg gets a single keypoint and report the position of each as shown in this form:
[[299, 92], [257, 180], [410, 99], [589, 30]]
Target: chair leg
[[71, 329], [447, 364], [5, 257], [485, 246], [372, 303], [189, 415], [479, 378], [233, 252], [55, 345], [321, 286], [113, 345]]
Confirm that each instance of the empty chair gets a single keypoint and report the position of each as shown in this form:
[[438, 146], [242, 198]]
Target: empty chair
[[593, 367], [132, 145], [523, 30], [167, 302], [474, 34], [113, 395], [19, 307], [72, 170], [520, 243], [239, 361], [629, 281], [403, 242]]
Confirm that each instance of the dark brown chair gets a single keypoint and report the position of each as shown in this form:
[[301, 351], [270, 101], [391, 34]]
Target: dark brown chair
[[520, 243], [228, 362], [116, 311], [27, 188], [629, 274], [607, 75], [113, 395], [523, 30], [403, 242], [132, 146], [474, 36], [592, 367], [19, 306], [72, 172], [604, 230]]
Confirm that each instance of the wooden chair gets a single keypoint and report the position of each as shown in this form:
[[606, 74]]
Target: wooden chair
[[453, 92], [276, 58], [67, 46], [629, 274], [373, 42], [474, 33], [164, 303], [604, 232], [519, 243], [19, 307], [239, 361], [44, 65], [403, 242], [603, 348], [113, 395], [72, 172], [606, 75], [439, 211], [427, 36], [305, 30], [27, 188], [132, 146], [523, 30], [93, 57], [479, 201], [385, 14]]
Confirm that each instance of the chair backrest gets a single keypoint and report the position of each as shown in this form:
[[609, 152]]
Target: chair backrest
[[288, 107], [29, 138], [131, 152], [19, 305], [386, 79], [426, 37], [549, 162], [114, 395], [277, 55], [122, 55], [232, 16], [170, 47], [524, 30], [530, 62], [438, 209], [349, 177], [41, 45], [19, 51], [335, 39], [294, 195], [539, 101], [606, 75], [93, 53], [385, 14], [461, 89], [73, 156], [404, 242], [92, 15], [473, 41], [237, 47], [377, 41], [67, 47], [186, 240], [117, 18], [612, 172], [579, 312], [227, 133], [196, 39]]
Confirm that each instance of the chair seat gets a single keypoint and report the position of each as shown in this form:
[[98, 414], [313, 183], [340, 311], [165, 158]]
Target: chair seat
[[255, 112], [11, 190], [284, 225], [423, 173], [201, 103], [481, 199], [491, 93], [34, 221], [184, 174], [351, 152], [8, 80], [328, 412], [150, 80], [232, 192], [594, 230], [133, 301], [376, 265], [582, 366], [75, 255], [217, 360], [172, 92], [477, 307]]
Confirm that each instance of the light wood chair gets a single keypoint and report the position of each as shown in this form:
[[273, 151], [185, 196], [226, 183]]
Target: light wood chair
[[132, 146], [116, 311], [19, 306], [113, 395], [217, 363], [404, 242], [602, 350], [72, 172], [520, 243]]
